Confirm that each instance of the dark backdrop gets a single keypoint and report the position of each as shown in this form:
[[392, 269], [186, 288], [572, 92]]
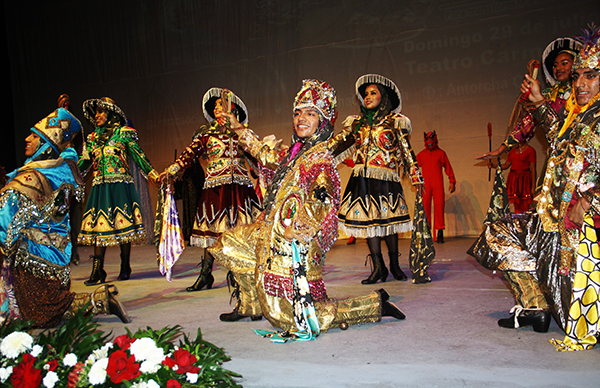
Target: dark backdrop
[[457, 63]]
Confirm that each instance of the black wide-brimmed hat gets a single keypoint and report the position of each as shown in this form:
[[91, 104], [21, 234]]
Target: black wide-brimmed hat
[[392, 90], [210, 99], [557, 46], [90, 106]]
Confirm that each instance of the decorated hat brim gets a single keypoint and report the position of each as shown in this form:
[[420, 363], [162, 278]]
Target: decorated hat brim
[[210, 99], [90, 106], [556, 47], [392, 90]]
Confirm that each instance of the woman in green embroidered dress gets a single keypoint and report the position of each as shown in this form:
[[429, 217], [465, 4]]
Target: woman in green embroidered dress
[[112, 215]]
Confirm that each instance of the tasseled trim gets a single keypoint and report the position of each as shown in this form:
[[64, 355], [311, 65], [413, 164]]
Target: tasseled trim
[[347, 154], [375, 231], [202, 242], [383, 174]]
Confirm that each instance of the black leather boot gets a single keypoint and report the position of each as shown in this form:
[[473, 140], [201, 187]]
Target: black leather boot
[[206, 278], [125, 272], [395, 267], [539, 319], [388, 309], [234, 316], [440, 236], [379, 269], [98, 274]]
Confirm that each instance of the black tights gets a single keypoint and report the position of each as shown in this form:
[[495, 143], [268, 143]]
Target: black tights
[[125, 250], [375, 243]]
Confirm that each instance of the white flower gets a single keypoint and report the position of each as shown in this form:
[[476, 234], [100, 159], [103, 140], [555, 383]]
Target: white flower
[[144, 349], [99, 353], [36, 350], [50, 379], [149, 367], [5, 373], [192, 377], [70, 359], [146, 384], [152, 384], [15, 343], [97, 373]]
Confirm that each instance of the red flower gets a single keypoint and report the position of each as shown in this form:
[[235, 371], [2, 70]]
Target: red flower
[[184, 361], [120, 367], [52, 365], [74, 375], [124, 341], [25, 375], [173, 384]]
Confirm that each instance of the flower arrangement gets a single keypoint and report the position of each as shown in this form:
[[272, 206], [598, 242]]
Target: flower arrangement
[[77, 354]]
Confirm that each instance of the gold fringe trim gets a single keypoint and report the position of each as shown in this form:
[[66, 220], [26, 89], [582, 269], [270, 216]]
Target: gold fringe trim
[[383, 174], [375, 231]]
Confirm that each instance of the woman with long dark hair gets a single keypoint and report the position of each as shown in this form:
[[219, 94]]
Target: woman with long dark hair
[[373, 204]]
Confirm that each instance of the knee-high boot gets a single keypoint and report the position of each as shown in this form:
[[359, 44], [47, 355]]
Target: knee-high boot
[[379, 269], [98, 274], [125, 272], [206, 277], [395, 267]]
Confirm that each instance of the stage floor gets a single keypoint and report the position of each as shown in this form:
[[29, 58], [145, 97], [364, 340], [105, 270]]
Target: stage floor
[[449, 339]]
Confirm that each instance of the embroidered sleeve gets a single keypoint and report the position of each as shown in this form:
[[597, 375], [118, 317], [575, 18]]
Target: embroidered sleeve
[[548, 120], [265, 155], [134, 151], [405, 151]]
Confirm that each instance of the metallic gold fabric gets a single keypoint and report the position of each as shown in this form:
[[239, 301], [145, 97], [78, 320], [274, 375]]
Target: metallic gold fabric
[[261, 258], [526, 290]]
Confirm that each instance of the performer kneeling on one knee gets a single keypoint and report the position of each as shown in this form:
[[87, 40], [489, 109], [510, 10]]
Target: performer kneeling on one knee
[[34, 231], [278, 261]]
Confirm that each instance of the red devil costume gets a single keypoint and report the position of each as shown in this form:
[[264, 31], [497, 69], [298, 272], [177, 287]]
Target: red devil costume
[[431, 160]]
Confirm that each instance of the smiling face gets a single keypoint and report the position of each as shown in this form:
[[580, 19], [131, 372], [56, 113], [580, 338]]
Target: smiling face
[[31, 144], [562, 67], [218, 111], [586, 84], [306, 122], [372, 97], [100, 117]]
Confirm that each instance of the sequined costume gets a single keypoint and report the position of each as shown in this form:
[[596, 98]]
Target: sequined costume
[[228, 197], [112, 214], [304, 195], [543, 242], [35, 231], [373, 203]]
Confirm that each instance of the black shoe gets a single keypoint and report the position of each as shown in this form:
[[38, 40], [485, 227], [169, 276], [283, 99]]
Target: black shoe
[[124, 275], [234, 316], [201, 282], [389, 309], [98, 274], [380, 272], [395, 267], [440, 236], [116, 308], [539, 319]]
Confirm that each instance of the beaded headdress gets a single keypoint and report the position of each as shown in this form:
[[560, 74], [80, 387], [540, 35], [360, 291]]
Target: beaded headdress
[[90, 106], [210, 99], [58, 128], [392, 90], [318, 95], [589, 55], [556, 47]]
